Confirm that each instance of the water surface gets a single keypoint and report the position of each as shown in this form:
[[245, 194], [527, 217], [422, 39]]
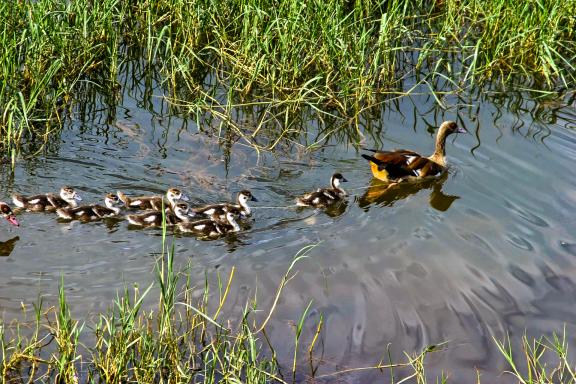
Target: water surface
[[487, 250]]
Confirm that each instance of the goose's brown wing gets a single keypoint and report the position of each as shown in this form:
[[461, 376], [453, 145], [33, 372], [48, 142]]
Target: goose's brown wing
[[401, 163], [423, 167], [392, 165]]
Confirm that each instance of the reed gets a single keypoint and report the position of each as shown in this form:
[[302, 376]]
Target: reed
[[224, 59], [185, 338]]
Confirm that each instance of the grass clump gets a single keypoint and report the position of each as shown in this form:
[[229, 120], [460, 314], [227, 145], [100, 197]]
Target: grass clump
[[185, 339], [272, 58], [543, 360]]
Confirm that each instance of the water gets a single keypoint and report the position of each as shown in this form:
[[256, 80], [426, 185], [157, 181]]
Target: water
[[486, 251]]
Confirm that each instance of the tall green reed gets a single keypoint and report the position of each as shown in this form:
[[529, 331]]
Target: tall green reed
[[273, 59]]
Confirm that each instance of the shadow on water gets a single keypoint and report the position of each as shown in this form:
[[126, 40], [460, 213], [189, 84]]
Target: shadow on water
[[386, 194], [6, 247]]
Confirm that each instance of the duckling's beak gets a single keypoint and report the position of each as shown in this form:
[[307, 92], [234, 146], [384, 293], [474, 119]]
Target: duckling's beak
[[12, 220], [254, 199], [461, 130]]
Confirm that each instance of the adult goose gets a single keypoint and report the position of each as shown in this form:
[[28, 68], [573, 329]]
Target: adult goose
[[403, 164]]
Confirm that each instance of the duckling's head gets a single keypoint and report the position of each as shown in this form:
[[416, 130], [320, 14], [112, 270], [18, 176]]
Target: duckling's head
[[181, 210], [69, 194], [231, 219], [111, 200], [8, 214], [176, 194], [336, 179], [245, 196]]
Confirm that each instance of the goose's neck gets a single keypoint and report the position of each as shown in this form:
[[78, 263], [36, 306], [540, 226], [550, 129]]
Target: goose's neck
[[439, 155]]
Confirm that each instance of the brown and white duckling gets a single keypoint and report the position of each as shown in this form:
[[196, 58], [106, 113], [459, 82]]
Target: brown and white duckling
[[48, 202], [180, 213], [211, 228], [94, 211], [324, 197], [152, 202], [219, 210], [7, 213], [403, 164]]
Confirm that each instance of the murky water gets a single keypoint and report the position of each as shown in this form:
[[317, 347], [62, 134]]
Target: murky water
[[487, 251]]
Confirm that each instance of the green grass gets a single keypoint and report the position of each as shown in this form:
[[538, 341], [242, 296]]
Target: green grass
[[180, 340], [184, 339], [270, 58]]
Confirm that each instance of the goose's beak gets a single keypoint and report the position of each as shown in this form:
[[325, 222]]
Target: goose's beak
[[12, 220]]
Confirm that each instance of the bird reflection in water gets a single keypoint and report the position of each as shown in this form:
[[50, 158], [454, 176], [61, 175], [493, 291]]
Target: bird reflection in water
[[386, 194], [6, 247]]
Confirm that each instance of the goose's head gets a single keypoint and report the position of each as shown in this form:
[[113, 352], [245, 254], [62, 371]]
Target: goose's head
[[449, 127]]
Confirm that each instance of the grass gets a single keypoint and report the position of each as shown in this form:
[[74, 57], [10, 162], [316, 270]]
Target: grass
[[185, 339], [270, 59], [181, 340]]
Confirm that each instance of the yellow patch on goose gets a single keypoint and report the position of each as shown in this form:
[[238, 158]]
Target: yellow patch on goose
[[379, 174]]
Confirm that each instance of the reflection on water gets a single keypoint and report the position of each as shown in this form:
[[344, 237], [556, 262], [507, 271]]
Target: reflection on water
[[486, 250], [386, 194], [6, 247]]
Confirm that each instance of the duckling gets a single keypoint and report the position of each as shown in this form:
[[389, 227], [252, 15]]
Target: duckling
[[152, 202], [7, 213], [48, 202], [211, 228], [403, 164], [92, 212], [324, 197], [180, 213], [219, 210]]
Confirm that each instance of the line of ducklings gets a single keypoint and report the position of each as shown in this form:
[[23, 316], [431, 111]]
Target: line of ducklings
[[209, 220]]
